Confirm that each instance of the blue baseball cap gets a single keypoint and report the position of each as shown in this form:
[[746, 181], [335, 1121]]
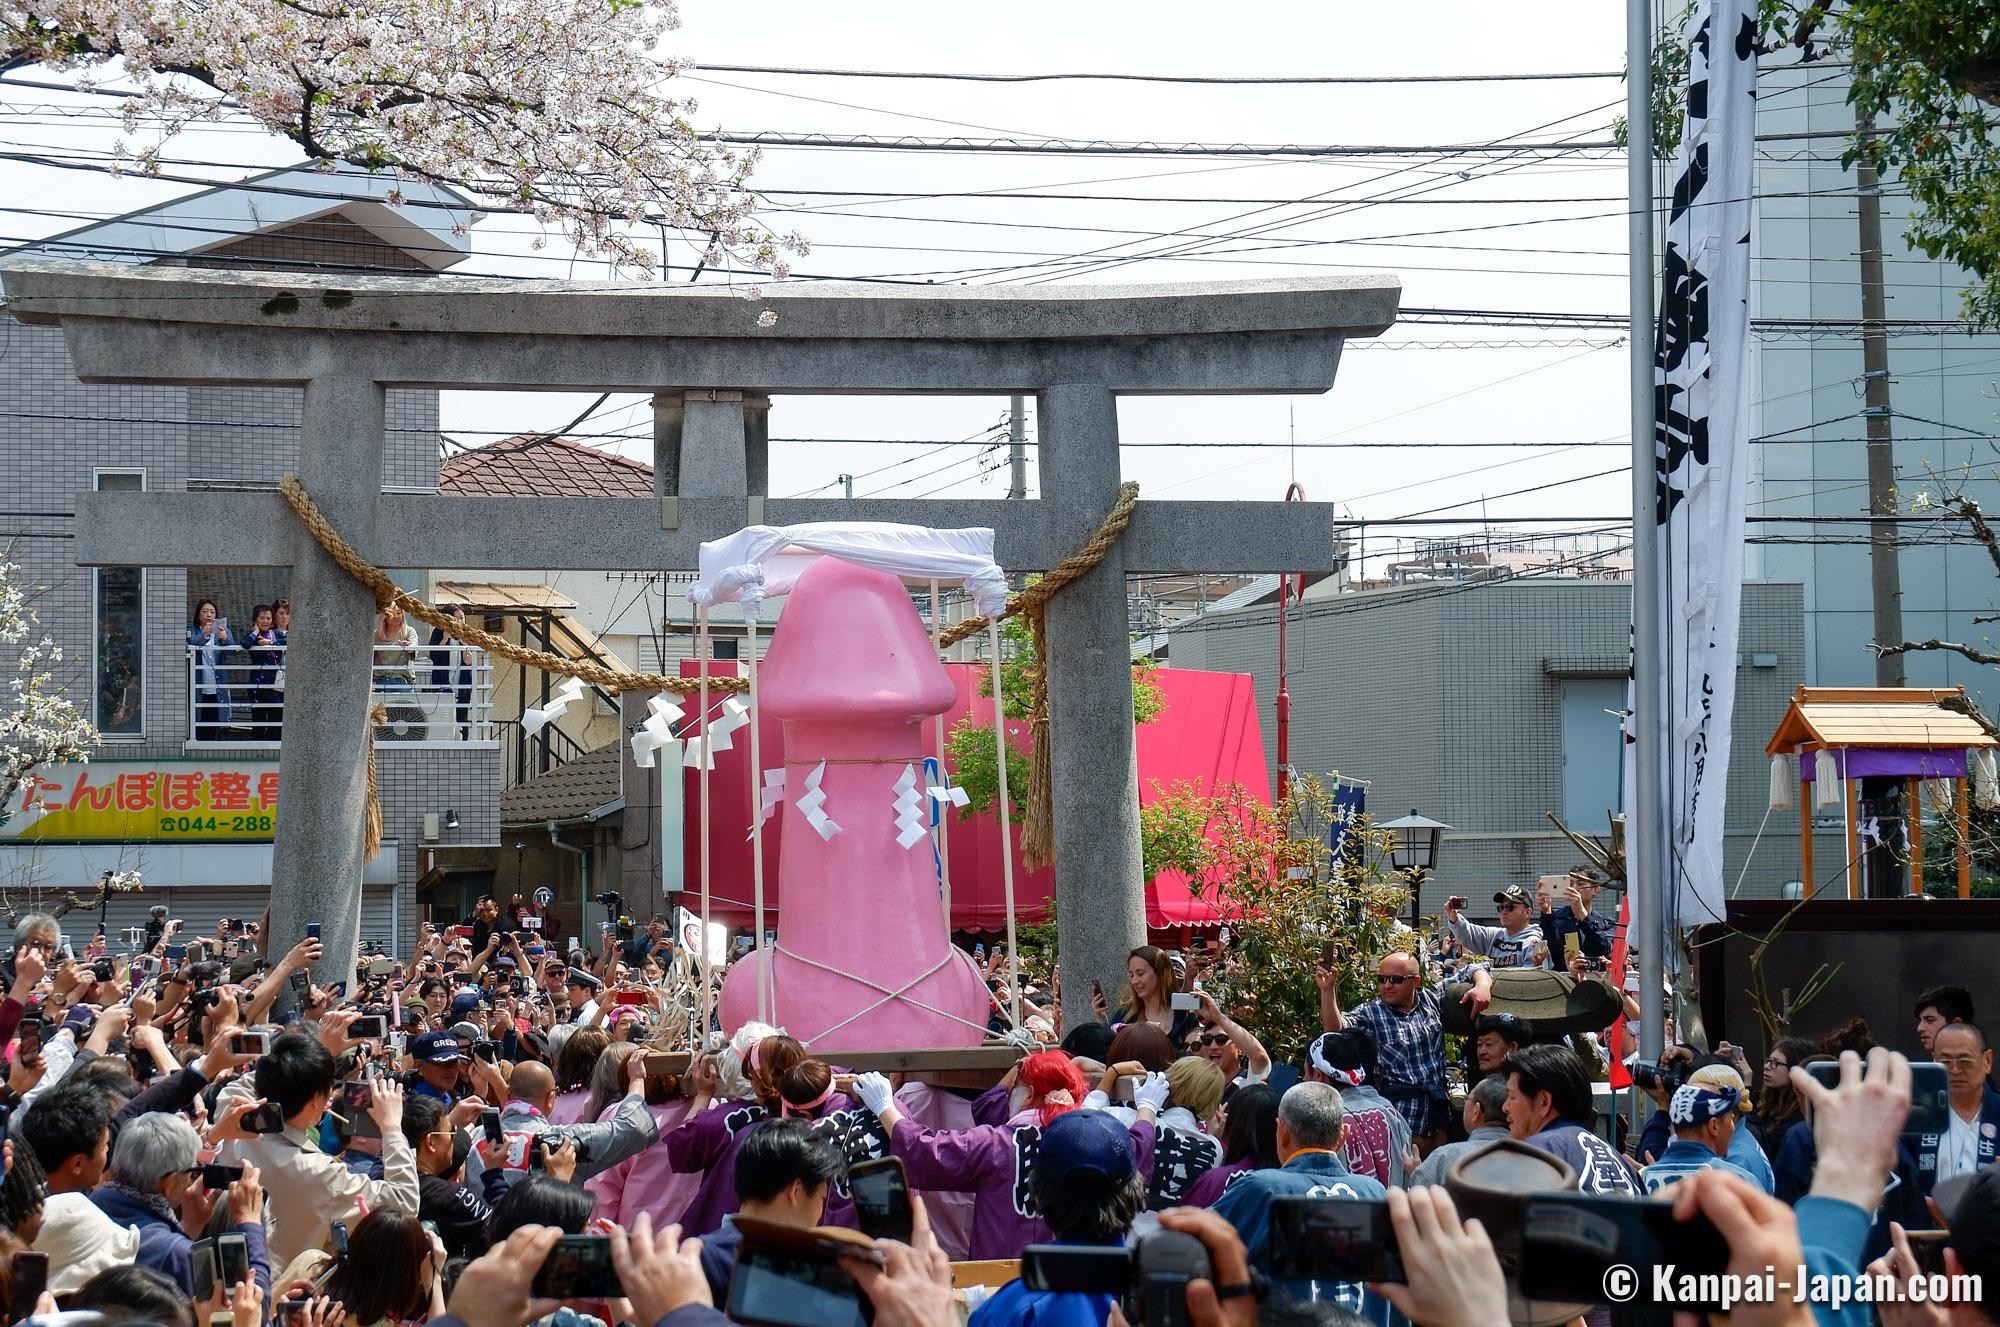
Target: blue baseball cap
[[1091, 1141], [437, 1048]]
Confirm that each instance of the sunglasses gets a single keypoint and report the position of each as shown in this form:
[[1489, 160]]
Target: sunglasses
[[1507, 907], [1390, 979], [1213, 1039]]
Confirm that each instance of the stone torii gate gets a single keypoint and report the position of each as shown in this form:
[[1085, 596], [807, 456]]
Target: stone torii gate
[[345, 340]]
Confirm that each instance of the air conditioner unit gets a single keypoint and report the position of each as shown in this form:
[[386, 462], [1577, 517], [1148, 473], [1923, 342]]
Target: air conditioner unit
[[417, 716]]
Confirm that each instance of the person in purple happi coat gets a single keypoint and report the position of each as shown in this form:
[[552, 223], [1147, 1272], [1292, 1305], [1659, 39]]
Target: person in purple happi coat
[[995, 1162]]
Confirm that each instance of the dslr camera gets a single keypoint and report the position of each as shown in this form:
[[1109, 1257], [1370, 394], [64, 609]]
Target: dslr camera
[[1659, 1078]]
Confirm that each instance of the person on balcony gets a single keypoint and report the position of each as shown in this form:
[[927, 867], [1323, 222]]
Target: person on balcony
[[395, 651], [208, 640], [267, 661], [451, 670]]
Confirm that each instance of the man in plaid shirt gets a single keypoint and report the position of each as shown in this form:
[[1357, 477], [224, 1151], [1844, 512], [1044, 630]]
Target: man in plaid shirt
[[1405, 1020]]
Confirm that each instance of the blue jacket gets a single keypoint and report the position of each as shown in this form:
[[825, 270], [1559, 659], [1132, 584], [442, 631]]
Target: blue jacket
[[1683, 1158], [1014, 1305], [166, 1248], [1747, 1153], [1246, 1204], [1902, 1201], [1986, 1133]]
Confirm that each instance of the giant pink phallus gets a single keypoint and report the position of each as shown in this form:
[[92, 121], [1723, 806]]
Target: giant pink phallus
[[864, 961]]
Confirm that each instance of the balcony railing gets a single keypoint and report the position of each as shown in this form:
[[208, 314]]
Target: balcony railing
[[438, 694]]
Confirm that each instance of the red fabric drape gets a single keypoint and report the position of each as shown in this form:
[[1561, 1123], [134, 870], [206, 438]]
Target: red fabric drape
[[1208, 734]]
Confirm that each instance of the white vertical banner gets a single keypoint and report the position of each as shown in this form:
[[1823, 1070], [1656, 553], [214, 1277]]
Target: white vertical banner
[[1701, 414]]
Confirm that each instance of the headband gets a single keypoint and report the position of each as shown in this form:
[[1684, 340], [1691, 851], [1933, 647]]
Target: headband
[[1694, 1104], [1354, 1077], [787, 1108]]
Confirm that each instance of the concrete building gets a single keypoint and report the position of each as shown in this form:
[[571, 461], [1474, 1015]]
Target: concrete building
[[1489, 705], [187, 803], [1809, 457]]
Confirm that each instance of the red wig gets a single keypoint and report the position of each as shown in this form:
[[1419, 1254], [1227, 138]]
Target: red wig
[[1055, 1085]]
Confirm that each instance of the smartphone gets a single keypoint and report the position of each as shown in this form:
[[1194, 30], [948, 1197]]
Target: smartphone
[[579, 1267], [531, 923], [176, 952], [249, 1043], [201, 1268], [881, 1198], [1334, 1239], [215, 1176], [489, 1120], [773, 1289], [1926, 1245], [264, 1119], [369, 1027], [1183, 1002], [628, 997], [462, 932], [1076, 1269], [1329, 955], [301, 983], [232, 1260], [357, 1096], [291, 1311], [1930, 1094], [338, 1231], [28, 1274], [1570, 1241]]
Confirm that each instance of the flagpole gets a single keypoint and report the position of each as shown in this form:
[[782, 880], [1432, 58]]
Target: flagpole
[[1646, 855]]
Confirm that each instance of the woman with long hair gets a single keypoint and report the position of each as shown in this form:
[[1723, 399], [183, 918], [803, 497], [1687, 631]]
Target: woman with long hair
[[705, 1143], [1249, 1141], [994, 1162], [1150, 986], [389, 1274], [1778, 1107], [647, 1182], [574, 1067], [207, 640]]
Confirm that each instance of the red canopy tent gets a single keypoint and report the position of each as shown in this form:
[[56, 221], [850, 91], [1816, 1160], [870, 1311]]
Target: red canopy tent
[[1207, 735]]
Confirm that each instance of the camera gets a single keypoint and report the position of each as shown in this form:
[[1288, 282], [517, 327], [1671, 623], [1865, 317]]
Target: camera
[[609, 899], [1150, 1277], [1656, 1078]]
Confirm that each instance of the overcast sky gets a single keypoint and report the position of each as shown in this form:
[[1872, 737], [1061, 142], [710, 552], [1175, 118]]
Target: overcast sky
[[1564, 256]]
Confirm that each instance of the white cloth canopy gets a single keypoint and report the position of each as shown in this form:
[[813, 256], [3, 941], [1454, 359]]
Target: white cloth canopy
[[765, 560]]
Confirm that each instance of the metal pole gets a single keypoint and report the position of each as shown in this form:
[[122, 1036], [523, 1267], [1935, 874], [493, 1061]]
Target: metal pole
[[1017, 447], [1885, 580], [847, 487], [1647, 851]]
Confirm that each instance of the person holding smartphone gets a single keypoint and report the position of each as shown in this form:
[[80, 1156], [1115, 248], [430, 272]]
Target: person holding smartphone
[[155, 1185], [785, 1170]]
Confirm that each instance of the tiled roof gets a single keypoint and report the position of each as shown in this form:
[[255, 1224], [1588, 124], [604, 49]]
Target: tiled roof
[[539, 466], [568, 792]]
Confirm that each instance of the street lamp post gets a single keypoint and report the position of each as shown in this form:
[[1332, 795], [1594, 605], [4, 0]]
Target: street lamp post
[[1413, 851]]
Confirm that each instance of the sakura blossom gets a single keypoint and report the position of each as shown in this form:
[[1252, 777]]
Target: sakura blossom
[[38, 724], [555, 107]]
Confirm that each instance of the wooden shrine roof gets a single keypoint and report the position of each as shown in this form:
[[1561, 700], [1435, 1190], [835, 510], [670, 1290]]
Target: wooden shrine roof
[[1882, 717]]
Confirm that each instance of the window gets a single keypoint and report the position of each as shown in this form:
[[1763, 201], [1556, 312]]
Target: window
[[119, 648], [724, 648], [1593, 748]]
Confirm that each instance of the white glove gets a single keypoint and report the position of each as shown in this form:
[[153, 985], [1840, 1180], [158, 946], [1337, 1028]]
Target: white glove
[[1151, 1092], [875, 1092]]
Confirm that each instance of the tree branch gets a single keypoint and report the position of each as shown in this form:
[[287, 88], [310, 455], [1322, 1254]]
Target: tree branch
[[1913, 646]]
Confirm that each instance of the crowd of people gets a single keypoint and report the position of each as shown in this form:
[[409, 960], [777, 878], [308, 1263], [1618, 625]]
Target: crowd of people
[[216, 1125], [237, 676]]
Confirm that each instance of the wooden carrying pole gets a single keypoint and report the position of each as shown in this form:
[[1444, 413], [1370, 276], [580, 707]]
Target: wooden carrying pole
[[1006, 817], [766, 979], [941, 809], [701, 767]]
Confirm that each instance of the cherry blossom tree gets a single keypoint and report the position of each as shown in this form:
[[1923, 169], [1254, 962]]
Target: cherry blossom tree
[[556, 107], [38, 724]]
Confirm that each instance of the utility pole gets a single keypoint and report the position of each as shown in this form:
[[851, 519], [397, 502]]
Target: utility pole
[[1648, 858], [1017, 447], [1885, 577], [847, 487]]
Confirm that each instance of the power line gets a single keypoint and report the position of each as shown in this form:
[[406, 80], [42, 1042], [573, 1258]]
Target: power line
[[1197, 79]]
